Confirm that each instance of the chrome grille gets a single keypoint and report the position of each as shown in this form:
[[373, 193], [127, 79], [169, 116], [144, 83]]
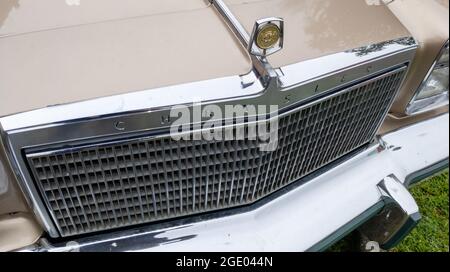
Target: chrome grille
[[146, 179]]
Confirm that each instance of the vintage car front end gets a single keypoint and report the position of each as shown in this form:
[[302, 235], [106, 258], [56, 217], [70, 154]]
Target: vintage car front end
[[122, 131]]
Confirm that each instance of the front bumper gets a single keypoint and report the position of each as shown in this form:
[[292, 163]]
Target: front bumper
[[311, 216]]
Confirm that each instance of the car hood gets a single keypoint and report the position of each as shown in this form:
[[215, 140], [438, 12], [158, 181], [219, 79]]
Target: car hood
[[62, 51], [25, 16]]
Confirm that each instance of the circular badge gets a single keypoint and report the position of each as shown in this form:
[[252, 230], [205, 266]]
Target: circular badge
[[268, 36]]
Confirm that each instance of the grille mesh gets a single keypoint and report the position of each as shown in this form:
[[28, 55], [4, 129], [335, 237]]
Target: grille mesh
[[143, 180]]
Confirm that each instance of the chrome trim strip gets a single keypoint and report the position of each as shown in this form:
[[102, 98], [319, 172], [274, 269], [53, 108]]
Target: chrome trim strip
[[345, 230], [422, 174], [148, 111], [232, 21], [30, 193], [257, 120]]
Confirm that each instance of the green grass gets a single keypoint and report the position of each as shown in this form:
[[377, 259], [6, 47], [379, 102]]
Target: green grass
[[431, 235]]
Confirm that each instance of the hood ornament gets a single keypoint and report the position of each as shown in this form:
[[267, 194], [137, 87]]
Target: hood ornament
[[267, 37]]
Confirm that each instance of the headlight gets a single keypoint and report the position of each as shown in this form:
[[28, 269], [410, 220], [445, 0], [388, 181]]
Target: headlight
[[433, 92]]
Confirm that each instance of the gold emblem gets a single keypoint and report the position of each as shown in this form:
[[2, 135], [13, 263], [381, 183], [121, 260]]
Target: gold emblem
[[268, 36]]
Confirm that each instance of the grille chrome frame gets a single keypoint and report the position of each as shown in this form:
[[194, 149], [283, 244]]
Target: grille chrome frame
[[87, 121], [80, 207]]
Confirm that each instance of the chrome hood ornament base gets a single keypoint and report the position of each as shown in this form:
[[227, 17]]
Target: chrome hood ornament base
[[267, 38]]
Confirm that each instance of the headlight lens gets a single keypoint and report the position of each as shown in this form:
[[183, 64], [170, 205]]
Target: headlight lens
[[444, 58], [433, 92], [436, 84]]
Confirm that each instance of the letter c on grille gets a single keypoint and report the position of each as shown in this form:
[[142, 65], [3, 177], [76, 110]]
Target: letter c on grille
[[119, 125]]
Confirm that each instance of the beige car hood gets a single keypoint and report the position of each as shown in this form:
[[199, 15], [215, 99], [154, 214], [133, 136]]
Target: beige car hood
[[316, 28], [25, 16], [52, 53], [62, 51]]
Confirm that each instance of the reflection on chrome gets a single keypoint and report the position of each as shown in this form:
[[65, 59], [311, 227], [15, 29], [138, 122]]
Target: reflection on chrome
[[365, 50]]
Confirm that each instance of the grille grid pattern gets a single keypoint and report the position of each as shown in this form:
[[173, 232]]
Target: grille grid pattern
[[149, 179]]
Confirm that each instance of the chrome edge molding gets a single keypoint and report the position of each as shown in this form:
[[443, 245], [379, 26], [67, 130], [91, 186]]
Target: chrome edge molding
[[149, 111], [427, 104]]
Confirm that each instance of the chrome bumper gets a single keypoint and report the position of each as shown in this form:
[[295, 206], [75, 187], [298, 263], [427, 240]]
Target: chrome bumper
[[309, 217]]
